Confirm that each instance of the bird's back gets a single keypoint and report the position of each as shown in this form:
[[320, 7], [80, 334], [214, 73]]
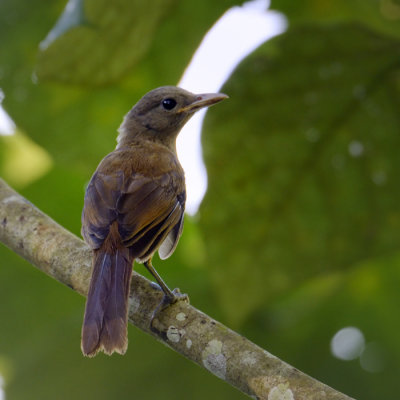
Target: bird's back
[[140, 186]]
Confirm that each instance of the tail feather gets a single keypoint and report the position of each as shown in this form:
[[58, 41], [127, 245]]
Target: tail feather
[[105, 322]]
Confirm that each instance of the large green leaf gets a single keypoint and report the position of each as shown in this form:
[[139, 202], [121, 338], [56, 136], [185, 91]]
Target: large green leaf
[[381, 15], [303, 163], [101, 39], [104, 40]]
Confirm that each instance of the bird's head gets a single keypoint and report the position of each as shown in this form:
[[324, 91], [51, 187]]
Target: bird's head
[[160, 114]]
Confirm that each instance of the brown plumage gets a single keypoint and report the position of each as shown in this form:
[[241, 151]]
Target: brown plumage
[[134, 206]]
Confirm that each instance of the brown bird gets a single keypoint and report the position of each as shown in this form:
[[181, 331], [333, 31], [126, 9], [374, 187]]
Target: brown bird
[[134, 206]]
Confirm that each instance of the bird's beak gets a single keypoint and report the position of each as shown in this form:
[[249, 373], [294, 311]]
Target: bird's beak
[[203, 100]]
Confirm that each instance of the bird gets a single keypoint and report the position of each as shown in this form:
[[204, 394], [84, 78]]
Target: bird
[[134, 206]]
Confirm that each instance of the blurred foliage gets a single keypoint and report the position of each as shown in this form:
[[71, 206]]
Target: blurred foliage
[[318, 160], [382, 16], [298, 236], [23, 160]]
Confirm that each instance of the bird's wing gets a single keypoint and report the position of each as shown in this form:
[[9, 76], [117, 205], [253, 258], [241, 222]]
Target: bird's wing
[[148, 211], [169, 244], [99, 210]]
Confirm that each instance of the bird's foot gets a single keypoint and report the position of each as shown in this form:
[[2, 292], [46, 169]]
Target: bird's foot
[[176, 296], [168, 300]]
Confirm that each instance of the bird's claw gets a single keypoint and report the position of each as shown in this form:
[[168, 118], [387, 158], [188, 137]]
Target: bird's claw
[[177, 296], [168, 299]]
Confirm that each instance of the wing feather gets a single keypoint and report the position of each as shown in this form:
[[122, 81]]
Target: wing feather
[[168, 246], [149, 211]]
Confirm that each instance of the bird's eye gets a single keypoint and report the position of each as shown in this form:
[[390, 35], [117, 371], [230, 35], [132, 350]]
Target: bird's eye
[[169, 104]]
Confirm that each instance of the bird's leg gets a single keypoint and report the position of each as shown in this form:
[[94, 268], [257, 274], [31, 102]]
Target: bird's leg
[[170, 296], [167, 291]]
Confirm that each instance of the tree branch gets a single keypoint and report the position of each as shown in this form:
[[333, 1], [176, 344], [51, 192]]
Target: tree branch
[[231, 357]]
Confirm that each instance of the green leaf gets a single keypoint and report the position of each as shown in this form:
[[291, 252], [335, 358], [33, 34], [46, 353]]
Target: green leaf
[[101, 39], [303, 163], [97, 42], [381, 16]]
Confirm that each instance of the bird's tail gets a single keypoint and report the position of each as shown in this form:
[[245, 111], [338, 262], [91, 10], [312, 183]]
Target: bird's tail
[[106, 314]]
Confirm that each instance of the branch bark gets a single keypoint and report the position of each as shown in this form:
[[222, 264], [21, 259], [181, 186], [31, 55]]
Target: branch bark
[[228, 355]]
